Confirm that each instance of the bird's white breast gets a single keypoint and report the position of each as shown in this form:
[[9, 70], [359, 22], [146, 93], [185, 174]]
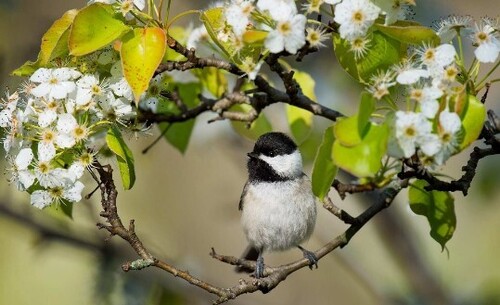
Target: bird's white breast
[[279, 215]]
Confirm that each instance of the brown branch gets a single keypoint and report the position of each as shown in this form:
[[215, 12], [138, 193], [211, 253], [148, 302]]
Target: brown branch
[[338, 212], [273, 276], [115, 227], [292, 96], [219, 106], [343, 188], [463, 184]]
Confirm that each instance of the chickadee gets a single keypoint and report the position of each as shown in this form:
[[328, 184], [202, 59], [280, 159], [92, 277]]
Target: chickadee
[[277, 203]]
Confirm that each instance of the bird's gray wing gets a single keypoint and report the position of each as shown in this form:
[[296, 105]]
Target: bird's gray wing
[[243, 193]]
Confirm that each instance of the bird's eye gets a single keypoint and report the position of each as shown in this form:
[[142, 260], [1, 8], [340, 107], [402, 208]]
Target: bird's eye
[[272, 154]]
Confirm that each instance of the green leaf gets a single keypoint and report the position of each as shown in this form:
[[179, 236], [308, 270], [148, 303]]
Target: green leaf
[[214, 22], [473, 120], [258, 127], [300, 120], [124, 156], [179, 134], [409, 32], [141, 52], [324, 169], [383, 52], [181, 35], [54, 44], [94, 27], [255, 36], [67, 208], [347, 132], [61, 210], [55, 40], [364, 158], [366, 108], [438, 207], [27, 69], [213, 79]]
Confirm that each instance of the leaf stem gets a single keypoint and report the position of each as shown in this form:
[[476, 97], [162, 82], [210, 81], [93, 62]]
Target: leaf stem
[[480, 83], [189, 12]]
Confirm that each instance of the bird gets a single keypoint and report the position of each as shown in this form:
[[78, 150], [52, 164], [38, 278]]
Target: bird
[[277, 203]]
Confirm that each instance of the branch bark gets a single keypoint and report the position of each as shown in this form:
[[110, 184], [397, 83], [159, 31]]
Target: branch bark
[[273, 275]]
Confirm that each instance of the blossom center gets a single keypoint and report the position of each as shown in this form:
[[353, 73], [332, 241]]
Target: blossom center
[[96, 90], [410, 131], [53, 81], [86, 159], [285, 28], [429, 55], [481, 37], [43, 167], [56, 192], [247, 9], [80, 133], [450, 73], [416, 94], [48, 136], [358, 17], [446, 137]]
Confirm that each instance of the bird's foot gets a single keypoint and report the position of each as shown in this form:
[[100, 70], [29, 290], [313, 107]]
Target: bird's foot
[[311, 257], [259, 267]]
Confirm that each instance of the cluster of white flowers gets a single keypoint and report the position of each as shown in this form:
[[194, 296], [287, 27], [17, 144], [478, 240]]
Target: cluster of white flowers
[[485, 35], [53, 127], [431, 87], [288, 29]]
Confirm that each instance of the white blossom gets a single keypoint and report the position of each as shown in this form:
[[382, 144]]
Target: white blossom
[[436, 58], [22, 176], [488, 43], [279, 10], [394, 9], [69, 131], [450, 27], [411, 129], [48, 176], [427, 99], [355, 17], [315, 36], [237, 15], [448, 131], [43, 198], [196, 37], [46, 147], [411, 76], [88, 86], [54, 83], [118, 83], [288, 35]]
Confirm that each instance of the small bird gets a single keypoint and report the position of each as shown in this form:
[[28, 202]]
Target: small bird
[[277, 203]]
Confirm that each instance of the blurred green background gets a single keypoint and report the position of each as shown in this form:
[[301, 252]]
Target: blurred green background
[[183, 205]]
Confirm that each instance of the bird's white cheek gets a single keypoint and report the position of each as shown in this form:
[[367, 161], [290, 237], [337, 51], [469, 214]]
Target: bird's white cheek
[[285, 165]]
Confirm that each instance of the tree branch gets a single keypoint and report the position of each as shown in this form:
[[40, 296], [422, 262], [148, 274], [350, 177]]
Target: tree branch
[[490, 130], [273, 275], [292, 96]]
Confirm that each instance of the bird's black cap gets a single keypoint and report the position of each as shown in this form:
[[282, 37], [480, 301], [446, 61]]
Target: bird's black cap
[[274, 144], [270, 144]]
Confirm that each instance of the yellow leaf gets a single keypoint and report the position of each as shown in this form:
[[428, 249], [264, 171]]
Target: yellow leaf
[[142, 50]]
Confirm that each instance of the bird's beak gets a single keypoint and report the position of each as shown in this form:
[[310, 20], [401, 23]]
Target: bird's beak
[[253, 155]]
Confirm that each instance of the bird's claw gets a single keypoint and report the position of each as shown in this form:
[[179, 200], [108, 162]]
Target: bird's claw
[[311, 257], [259, 268]]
